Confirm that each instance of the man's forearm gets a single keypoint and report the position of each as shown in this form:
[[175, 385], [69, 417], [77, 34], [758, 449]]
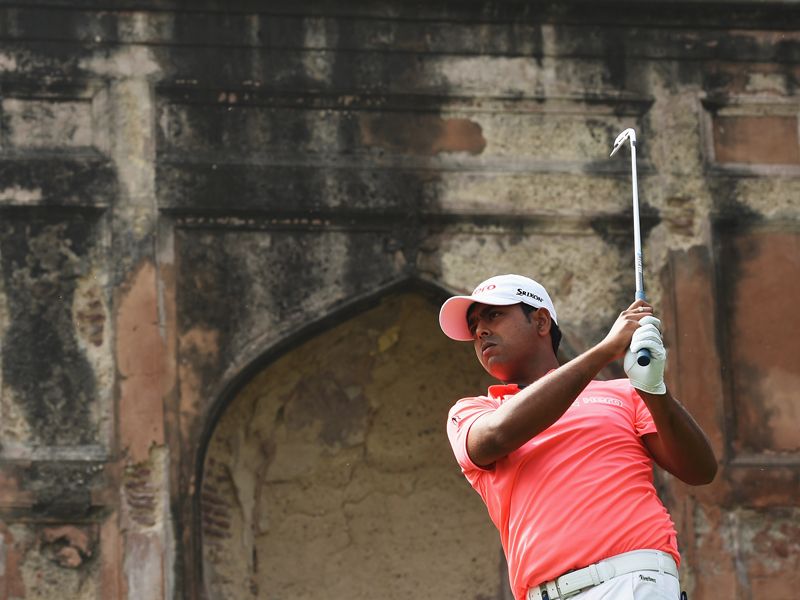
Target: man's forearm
[[537, 406], [680, 445]]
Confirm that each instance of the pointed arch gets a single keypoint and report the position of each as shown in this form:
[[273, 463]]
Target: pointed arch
[[258, 356]]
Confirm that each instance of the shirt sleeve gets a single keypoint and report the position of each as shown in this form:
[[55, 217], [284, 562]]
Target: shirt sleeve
[[459, 421], [642, 419]]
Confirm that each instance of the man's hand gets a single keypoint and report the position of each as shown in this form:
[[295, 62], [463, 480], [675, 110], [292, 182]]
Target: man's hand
[[626, 325], [650, 378]]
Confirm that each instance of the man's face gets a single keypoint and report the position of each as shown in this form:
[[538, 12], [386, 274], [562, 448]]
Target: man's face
[[504, 339]]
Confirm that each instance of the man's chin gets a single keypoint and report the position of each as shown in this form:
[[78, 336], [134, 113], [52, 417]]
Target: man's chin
[[497, 371], [496, 367]]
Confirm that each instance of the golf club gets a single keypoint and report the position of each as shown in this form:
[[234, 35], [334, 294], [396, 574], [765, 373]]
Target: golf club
[[643, 356]]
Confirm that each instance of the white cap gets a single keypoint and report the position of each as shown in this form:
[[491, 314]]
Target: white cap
[[501, 290]]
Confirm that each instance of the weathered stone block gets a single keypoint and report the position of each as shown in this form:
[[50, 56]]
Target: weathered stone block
[[756, 140], [760, 278], [48, 124], [49, 562], [57, 368]]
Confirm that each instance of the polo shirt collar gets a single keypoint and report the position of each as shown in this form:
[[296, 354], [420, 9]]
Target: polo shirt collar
[[498, 392]]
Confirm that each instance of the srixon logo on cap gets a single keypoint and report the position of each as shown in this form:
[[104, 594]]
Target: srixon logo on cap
[[521, 292], [485, 288]]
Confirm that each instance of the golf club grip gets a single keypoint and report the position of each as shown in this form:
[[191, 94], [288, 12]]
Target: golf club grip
[[643, 357]]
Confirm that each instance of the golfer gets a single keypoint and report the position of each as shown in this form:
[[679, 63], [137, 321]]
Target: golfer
[[564, 462]]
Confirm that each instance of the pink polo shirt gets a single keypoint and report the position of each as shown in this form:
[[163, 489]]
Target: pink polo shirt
[[580, 491]]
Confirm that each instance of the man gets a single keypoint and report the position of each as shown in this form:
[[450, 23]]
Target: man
[[564, 462]]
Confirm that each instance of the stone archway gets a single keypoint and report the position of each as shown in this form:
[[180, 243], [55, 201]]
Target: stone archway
[[329, 473]]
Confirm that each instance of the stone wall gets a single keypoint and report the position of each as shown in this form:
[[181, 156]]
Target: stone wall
[[225, 229]]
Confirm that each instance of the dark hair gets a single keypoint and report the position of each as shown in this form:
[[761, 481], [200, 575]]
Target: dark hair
[[555, 332]]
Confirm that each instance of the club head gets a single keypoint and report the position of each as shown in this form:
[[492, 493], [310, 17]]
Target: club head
[[625, 135]]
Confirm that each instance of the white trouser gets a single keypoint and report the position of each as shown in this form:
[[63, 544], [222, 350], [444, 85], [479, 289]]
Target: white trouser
[[639, 585]]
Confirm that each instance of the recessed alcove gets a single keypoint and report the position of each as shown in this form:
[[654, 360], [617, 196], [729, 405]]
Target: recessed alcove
[[329, 475]]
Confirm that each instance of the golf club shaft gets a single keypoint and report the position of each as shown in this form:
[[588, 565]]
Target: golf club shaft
[[643, 356]]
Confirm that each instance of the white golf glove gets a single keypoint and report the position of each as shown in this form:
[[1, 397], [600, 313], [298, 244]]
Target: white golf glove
[[650, 378]]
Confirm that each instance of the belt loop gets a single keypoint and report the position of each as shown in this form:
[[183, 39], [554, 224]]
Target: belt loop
[[661, 561], [538, 593], [597, 579]]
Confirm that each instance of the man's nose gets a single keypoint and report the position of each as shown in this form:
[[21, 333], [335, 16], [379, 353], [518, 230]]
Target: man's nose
[[482, 329]]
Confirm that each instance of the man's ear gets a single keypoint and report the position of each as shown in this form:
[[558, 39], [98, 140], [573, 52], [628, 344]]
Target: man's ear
[[543, 322]]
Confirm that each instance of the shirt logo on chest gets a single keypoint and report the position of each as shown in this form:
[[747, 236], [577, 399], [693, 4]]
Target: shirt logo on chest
[[586, 400]]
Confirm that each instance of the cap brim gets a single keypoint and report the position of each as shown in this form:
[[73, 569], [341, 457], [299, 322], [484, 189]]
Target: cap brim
[[453, 314]]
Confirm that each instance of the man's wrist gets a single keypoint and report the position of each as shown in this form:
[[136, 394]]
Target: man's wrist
[[654, 396], [607, 352]]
